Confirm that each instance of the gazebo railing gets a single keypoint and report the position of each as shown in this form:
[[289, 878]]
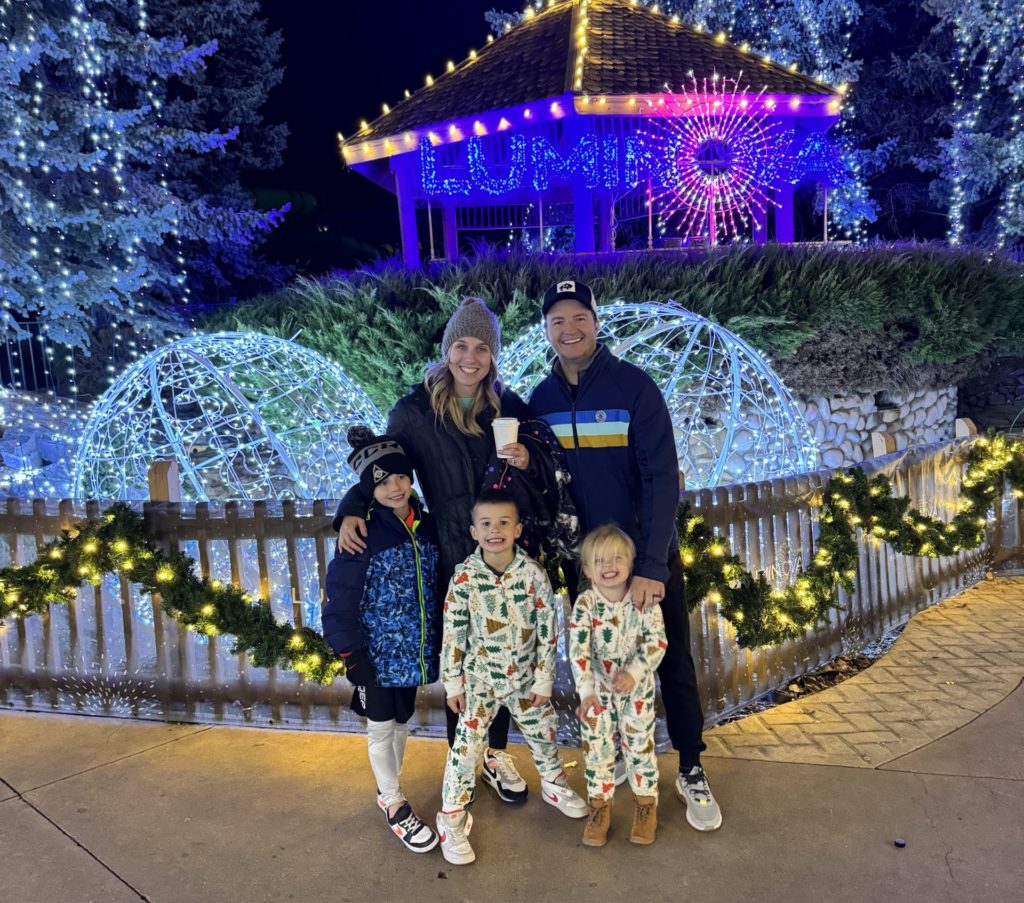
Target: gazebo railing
[[114, 653]]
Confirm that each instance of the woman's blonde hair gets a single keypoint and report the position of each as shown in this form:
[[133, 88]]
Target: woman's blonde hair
[[608, 538], [440, 386]]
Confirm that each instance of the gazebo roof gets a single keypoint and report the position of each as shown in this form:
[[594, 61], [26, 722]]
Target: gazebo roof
[[587, 48]]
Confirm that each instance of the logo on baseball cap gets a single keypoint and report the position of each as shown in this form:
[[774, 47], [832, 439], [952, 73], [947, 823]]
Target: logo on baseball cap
[[569, 290]]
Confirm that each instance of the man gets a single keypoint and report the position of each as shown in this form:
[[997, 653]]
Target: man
[[614, 425]]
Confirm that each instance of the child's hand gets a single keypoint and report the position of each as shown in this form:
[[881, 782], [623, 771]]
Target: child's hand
[[536, 700], [457, 703], [587, 704], [623, 681]]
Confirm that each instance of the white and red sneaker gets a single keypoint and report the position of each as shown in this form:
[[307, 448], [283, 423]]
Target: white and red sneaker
[[409, 828], [559, 794], [453, 830]]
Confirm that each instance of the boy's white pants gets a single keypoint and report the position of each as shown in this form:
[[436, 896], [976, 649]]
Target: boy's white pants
[[385, 741]]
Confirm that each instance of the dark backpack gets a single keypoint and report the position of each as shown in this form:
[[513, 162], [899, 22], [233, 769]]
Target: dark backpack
[[551, 528]]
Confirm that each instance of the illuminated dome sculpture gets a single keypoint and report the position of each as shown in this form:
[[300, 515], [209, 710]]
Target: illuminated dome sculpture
[[735, 421], [245, 416]]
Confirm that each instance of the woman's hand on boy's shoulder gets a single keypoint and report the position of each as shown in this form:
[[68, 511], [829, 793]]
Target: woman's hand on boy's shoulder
[[352, 535]]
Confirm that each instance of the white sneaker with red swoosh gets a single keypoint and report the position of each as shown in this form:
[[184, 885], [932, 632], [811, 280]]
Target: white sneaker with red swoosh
[[453, 830], [564, 799]]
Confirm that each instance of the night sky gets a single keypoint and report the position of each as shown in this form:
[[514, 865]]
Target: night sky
[[342, 63]]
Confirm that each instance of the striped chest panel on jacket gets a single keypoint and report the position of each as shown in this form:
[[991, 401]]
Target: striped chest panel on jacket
[[602, 428]]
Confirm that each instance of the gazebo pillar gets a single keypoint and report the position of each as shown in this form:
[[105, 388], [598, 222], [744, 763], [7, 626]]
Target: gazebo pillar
[[451, 231], [583, 218], [604, 222], [406, 178], [785, 230]]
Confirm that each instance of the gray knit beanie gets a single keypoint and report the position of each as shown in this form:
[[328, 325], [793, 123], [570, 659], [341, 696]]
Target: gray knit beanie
[[474, 319]]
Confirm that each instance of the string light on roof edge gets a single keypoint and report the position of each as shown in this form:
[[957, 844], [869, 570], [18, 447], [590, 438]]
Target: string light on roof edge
[[245, 416], [733, 417], [717, 141]]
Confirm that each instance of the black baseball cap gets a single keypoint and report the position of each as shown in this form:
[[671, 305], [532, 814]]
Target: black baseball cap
[[569, 290]]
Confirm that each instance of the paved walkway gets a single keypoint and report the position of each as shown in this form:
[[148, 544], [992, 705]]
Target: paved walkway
[[951, 663], [106, 810]]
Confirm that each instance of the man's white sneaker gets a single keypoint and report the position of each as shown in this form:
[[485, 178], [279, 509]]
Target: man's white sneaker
[[499, 772], [702, 811], [453, 830], [564, 799]]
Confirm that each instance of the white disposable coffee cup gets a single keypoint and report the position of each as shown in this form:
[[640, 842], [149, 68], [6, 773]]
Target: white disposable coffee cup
[[506, 431]]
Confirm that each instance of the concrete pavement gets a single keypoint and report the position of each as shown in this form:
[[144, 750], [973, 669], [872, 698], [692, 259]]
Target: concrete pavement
[[106, 810]]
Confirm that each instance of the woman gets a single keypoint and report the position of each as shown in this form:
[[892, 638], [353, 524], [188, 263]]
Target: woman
[[444, 426]]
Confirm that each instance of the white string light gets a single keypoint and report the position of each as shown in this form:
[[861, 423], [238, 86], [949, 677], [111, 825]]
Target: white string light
[[244, 415]]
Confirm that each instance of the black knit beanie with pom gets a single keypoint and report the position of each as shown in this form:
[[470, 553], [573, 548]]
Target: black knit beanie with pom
[[375, 458]]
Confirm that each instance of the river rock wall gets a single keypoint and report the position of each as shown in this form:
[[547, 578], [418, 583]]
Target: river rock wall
[[843, 424]]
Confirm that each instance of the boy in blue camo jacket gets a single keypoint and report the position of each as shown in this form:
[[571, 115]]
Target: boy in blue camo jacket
[[383, 618]]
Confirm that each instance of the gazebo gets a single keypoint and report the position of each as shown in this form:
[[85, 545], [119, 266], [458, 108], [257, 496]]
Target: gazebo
[[593, 112]]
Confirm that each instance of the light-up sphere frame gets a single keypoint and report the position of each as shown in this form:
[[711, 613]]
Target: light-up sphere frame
[[246, 416], [734, 419]]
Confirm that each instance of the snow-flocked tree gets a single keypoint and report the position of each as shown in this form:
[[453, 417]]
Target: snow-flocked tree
[[91, 232]]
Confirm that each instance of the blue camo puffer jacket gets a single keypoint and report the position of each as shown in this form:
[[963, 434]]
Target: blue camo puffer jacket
[[385, 599]]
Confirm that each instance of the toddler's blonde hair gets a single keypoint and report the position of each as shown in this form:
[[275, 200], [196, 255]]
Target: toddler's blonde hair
[[608, 538]]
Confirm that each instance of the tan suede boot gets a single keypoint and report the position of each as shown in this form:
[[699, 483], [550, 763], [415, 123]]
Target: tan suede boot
[[595, 834], [645, 820]]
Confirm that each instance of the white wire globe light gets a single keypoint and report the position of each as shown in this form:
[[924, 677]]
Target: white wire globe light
[[245, 416], [734, 419]]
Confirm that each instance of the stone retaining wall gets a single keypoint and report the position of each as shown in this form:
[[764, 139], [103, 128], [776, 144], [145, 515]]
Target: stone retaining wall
[[843, 424]]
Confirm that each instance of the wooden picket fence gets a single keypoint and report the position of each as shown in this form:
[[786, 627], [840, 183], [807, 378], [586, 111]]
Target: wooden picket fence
[[114, 652]]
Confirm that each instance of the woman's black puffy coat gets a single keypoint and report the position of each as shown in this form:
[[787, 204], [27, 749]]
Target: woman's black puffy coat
[[450, 467]]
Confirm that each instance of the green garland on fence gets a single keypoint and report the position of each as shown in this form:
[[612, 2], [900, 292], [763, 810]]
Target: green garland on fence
[[116, 544], [762, 615]]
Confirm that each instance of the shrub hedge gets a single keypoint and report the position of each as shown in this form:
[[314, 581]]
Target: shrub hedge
[[833, 319]]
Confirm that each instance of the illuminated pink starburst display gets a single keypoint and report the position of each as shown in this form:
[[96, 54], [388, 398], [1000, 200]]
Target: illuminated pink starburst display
[[720, 141]]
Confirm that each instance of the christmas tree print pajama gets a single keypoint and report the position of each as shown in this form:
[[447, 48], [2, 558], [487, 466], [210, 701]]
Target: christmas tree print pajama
[[538, 725], [498, 648], [604, 638]]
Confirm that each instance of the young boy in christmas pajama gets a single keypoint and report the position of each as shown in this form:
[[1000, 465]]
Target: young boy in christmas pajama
[[498, 649], [615, 649]]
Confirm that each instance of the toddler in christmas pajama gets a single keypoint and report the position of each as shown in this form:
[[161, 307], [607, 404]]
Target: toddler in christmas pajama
[[615, 649]]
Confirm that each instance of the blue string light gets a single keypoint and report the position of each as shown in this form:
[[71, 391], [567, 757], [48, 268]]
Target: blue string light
[[481, 176]]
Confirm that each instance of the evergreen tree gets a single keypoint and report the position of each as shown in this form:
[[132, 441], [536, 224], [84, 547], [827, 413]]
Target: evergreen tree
[[231, 89], [980, 157], [815, 35], [89, 228], [906, 56]]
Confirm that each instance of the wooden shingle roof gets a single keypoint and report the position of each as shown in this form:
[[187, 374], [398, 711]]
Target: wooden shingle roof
[[629, 50], [527, 64]]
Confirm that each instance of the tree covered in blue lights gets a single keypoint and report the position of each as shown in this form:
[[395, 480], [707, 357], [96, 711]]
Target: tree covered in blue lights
[[91, 231], [232, 87], [814, 34]]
